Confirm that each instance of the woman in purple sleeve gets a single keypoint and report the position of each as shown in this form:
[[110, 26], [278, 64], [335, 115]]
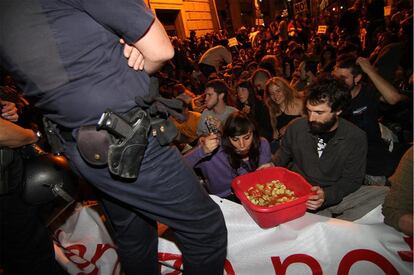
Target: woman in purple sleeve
[[238, 151]]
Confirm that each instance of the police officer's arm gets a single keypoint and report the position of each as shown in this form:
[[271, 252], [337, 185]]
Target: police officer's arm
[[155, 47], [388, 92], [135, 58], [12, 135], [132, 21]]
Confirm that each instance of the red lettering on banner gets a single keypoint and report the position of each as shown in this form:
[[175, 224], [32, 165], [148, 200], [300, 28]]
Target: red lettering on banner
[[178, 261], [407, 256], [280, 268], [76, 254], [228, 268], [100, 250], [365, 255], [80, 255]]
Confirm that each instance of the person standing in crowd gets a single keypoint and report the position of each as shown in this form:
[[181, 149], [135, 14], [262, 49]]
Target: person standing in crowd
[[282, 32], [238, 151], [248, 103], [217, 110], [284, 104], [330, 153], [25, 244], [74, 77], [215, 57], [363, 111]]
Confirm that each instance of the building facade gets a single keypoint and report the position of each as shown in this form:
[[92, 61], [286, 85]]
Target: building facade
[[179, 17]]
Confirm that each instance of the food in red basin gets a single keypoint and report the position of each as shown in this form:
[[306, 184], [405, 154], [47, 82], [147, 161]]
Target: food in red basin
[[270, 216]]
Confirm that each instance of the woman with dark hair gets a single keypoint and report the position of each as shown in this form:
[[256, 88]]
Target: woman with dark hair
[[238, 151], [248, 103]]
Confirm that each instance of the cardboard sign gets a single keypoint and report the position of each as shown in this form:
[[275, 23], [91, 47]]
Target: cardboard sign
[[233, 42], [322, 29], [387, 10], [300, 7]]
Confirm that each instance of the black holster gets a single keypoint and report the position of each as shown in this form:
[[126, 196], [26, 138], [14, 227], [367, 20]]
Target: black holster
[[118, 141], [122, 140], [125, 156]]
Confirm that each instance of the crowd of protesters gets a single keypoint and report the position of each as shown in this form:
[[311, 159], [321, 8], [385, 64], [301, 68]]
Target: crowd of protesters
[[294, 58], [268, 75]]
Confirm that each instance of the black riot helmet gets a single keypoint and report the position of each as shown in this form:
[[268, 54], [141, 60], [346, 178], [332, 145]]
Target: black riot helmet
[[48, 177]]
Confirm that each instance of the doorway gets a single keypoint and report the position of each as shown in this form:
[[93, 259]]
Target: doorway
[[170, 20]]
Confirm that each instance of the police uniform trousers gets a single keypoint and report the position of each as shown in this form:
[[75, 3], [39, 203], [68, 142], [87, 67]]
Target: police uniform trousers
[[167, 191]]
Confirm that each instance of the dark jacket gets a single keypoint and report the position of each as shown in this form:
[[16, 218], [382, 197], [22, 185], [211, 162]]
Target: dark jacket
[[341, 168]]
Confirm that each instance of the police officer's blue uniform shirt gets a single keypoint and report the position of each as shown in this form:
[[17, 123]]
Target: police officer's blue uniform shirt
[[89, 70]]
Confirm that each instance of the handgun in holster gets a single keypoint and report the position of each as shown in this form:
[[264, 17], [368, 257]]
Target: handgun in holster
[[130, 134]]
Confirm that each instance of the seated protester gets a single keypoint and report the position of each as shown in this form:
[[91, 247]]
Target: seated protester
[[304, 75], [330, 153], [182, 93], [271, 64], [284, 103], [259, 78], [213, 58], [248, 103], [251, 67], [240, 150], [398, 205], [297, 55], [363, 111], [217, 110], [327, 59], [236, 72]]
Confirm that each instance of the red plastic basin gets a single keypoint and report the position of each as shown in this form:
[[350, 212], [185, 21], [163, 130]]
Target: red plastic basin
[[267, 217]]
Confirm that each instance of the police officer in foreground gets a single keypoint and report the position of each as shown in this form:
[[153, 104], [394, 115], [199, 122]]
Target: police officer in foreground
[[66, 56], [25, 246]]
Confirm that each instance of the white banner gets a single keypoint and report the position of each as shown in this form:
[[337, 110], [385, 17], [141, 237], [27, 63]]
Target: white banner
[[84, 246], [311, 244]]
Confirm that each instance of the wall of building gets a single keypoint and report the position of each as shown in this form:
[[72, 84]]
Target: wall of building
[[182, 16], [198, 15]]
